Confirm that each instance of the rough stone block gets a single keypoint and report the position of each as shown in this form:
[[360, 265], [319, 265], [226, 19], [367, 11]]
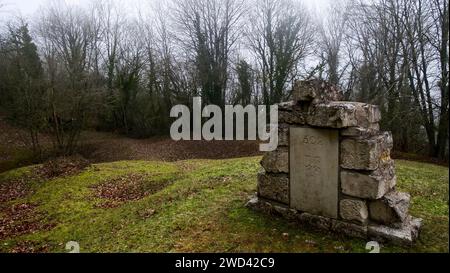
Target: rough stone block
[[354, 210], [404, 235], [276, 161], [343, 114], [316, 221], [315, 91], [283, 134], [369, 185], [274, 186], [349, 229], [286, 213], [286, 106], [361, 132], [292, 117], [366, 153], [391, 210]]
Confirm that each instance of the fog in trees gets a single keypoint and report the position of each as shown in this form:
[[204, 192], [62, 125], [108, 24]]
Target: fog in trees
[[112, 67]]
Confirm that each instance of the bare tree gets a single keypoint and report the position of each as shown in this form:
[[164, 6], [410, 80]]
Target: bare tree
[[280, 34], [208, 31], [332, 34], [426, 36], [68, 36]]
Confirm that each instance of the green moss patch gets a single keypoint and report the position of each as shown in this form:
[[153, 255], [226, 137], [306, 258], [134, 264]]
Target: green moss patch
[[195, 206]]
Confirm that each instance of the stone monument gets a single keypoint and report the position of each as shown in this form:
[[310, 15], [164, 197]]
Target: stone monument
[[332, 169]]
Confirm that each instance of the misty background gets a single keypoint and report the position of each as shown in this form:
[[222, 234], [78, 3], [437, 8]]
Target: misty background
[[119, 66]]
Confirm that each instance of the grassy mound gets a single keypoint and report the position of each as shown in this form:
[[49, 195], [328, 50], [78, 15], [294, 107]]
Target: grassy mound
[[186, 206]]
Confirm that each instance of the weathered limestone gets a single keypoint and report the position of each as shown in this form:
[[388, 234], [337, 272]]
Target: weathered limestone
[[354, 210], [342, 114], [274, 186], [315, 91], [366, 153], [332, 169], [314, 156], [283, 134], [404, 235], [349, 229], [369, 185], [390, 210], [317, 221], [360, 131], [291, 117], [276, 161]]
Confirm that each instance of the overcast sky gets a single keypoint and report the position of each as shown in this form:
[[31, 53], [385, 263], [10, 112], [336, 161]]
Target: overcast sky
[[28, 8]]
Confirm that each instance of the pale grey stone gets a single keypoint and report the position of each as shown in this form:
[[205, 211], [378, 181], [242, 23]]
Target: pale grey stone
[[361, 132], [276, 161], [366, 153], [252, 203], [404, 235], [391, 210], [343, 114], [354, 210], [369, 185], [258, 204], [286, 106], [349, 229], [315, 91], [314, 171], [274, 186]]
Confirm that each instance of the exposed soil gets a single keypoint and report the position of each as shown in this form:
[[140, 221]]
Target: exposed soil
[[125, 188]]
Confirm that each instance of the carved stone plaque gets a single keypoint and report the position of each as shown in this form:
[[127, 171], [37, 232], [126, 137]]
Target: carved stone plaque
[[314, 163]]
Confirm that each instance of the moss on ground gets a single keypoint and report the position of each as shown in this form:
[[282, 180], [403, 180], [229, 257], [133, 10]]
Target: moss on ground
[[201, 209]]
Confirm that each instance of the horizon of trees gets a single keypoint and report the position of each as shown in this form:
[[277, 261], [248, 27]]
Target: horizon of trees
[[72, 67]]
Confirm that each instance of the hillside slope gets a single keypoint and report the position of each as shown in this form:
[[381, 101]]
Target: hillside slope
[[183, 206]]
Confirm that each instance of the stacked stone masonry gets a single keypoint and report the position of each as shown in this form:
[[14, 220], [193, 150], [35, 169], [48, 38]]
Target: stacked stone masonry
[[369, 206]]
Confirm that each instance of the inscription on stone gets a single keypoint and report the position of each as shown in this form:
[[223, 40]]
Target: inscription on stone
[[314, 162]]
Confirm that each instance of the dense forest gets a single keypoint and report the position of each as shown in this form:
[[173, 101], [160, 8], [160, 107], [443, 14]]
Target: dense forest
[[70, 68]]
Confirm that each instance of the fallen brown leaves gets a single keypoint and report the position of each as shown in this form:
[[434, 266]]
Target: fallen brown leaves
[[101, 147], [22, 219], [16, 188], [62, 166], [29, 247], [125, 188]]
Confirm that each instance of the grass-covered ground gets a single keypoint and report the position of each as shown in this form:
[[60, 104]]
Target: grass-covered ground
[[186, 206]]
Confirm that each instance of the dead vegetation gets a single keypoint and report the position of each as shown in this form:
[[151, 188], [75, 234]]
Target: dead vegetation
[[62, 166], [29, 247], [14, 189], [22, 219], [130, 187]]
